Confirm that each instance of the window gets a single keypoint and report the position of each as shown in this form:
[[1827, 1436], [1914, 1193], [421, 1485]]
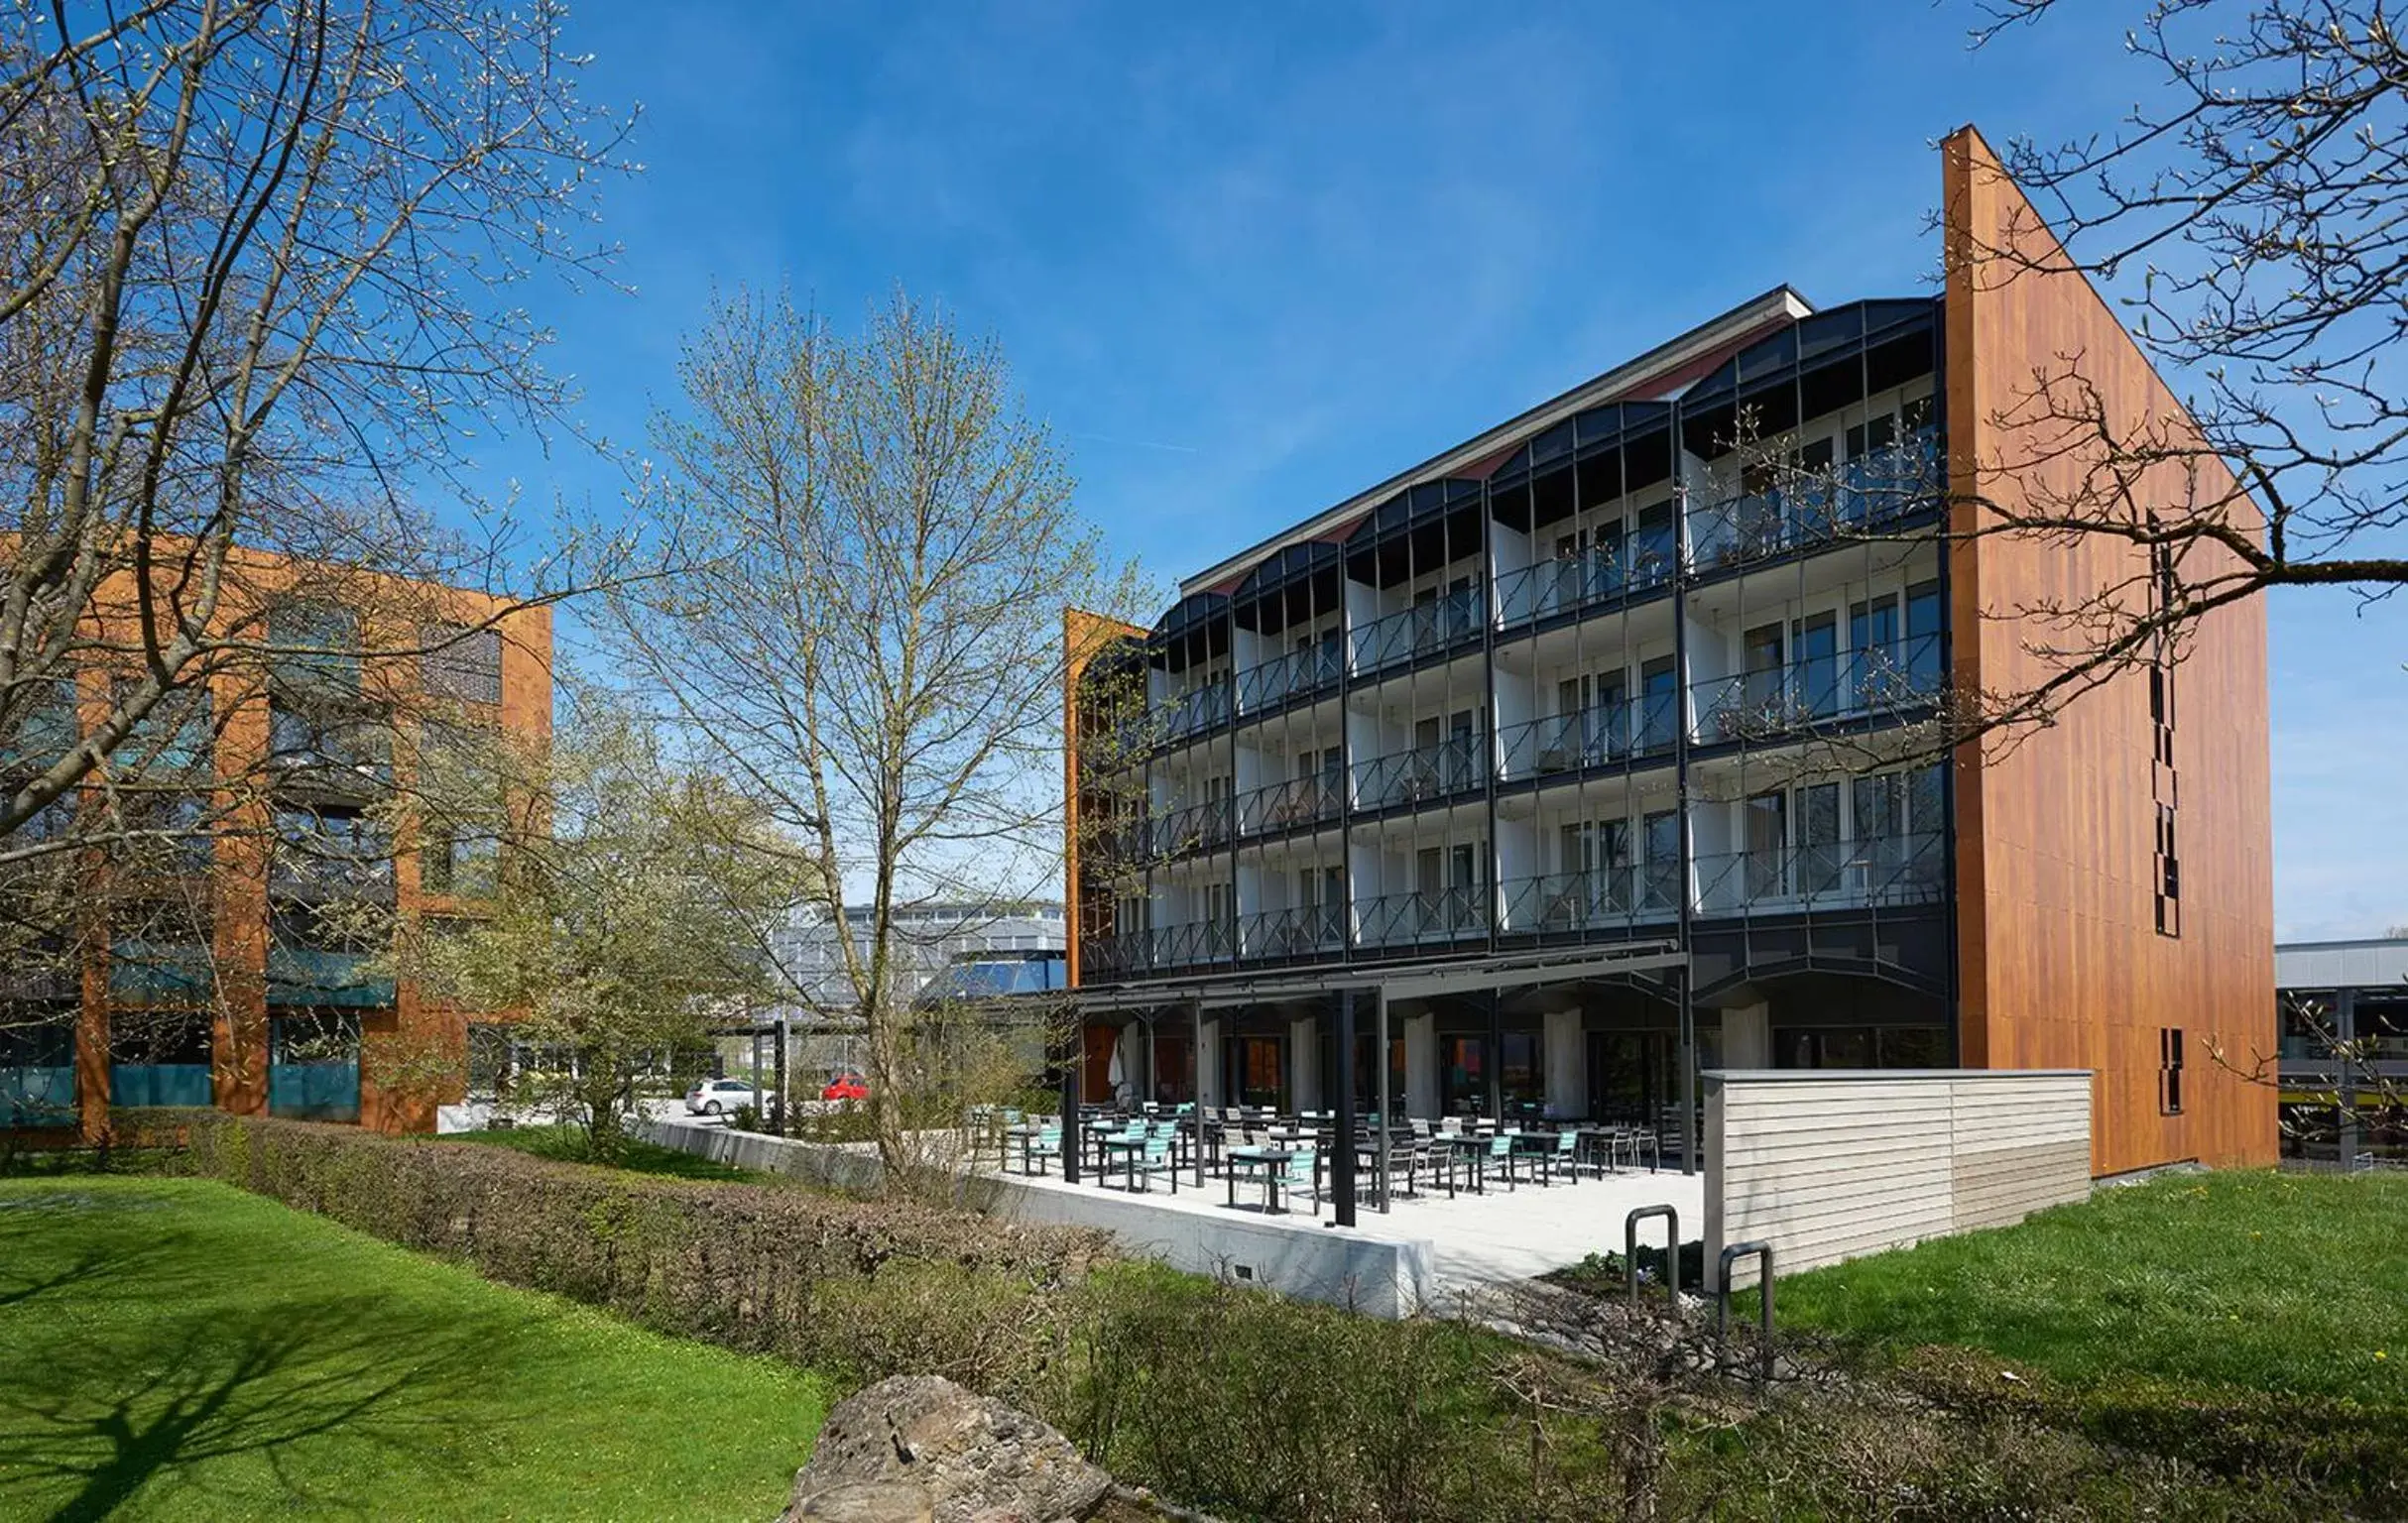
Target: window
[[1767, 829], [2169, 1071], [317, 650], [461, 662]]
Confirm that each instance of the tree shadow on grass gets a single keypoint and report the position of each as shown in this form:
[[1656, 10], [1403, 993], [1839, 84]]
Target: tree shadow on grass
[[102, 1420]]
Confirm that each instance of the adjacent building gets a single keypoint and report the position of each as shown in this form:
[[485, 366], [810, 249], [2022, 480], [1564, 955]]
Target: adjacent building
[[1598, 750], [224, 967], [2344, 1062]]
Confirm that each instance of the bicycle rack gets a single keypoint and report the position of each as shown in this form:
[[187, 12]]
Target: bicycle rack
[[1672, 1250], [1762, 1254]]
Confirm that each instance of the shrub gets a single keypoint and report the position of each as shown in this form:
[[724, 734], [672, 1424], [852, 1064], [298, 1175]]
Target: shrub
[[774, 1269]]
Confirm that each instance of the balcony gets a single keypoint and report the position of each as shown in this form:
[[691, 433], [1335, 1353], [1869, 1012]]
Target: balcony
[[1417, 631], [1403, 919], [317, 975], [1286, 805], [1595, 737], [1290, 676], [1191, 945], [1871, 494], [1574, 582], [1881, 871], [1197, 709], [1457, 765], [1192, 828], [1777, 701], [1310, 930], [1604, 897]]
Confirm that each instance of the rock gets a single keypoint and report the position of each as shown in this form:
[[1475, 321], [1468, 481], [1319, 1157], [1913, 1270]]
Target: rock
[[876, 1502], [972, 1458]]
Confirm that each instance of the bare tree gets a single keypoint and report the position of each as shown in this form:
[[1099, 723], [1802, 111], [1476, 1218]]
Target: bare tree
[[2252, 216], [263, 274], [260, 264], [866, 634]]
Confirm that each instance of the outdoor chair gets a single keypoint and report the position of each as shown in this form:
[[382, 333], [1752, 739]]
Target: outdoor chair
[[1302, 1176], [1501, 1151], [1563, 1154], [1404, 1160], [1155, 1159], [1047, 1143]]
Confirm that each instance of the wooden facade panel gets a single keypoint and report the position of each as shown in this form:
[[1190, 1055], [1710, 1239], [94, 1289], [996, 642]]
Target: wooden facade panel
[[2061, 962]]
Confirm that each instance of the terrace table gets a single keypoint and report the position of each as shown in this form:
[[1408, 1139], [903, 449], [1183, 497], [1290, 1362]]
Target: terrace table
[[1131, 1150], [1273, 1161], [1028, 1132]]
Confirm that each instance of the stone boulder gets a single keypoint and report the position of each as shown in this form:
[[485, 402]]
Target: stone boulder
[[919, 1448]]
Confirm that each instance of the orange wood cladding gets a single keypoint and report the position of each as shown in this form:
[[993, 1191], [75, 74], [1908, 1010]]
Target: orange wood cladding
[[1085, 635], [2061, 963]]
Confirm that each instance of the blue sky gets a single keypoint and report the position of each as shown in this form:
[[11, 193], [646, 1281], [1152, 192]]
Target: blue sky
[[1249, 259]]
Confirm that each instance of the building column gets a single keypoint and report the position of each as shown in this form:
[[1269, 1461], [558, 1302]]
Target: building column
[[1567, 1067], [1305, 1063], [1747, 1036], [1421, 1066], [1208, 1065]]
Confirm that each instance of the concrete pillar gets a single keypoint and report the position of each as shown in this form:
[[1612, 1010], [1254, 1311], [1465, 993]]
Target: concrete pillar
[[1567, 1065], [1421, 1066], [1208, 1065], [1747, 1036], [1304, 1064]]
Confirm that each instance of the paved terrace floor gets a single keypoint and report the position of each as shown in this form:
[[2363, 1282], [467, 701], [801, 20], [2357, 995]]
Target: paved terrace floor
[[1476, 1240]]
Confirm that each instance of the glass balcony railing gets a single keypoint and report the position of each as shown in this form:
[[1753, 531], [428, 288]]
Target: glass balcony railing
[[1593, 737], [1865, 496], [1775, 701], [1454, 765], [1288, 676], [1417, 631], [1192, 828], [1284, 805], [1600, 896], [1303, 931], [350, 756], [1449, 914], [1883, 870], [1580, 581]]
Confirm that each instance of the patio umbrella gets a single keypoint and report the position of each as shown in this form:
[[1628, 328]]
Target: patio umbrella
[[1116, 1075]]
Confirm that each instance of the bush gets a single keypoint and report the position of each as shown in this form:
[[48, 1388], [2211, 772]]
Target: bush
[[773, 1269]]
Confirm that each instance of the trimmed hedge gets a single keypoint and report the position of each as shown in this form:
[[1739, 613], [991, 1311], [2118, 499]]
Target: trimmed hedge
[[762, 1268]]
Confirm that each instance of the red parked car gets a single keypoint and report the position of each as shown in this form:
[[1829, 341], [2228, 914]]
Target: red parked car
[[845, 1085]]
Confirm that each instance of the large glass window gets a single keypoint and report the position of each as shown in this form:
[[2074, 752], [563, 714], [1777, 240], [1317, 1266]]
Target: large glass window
[[1520, 1073], [1463, 1075], [1766, 831]]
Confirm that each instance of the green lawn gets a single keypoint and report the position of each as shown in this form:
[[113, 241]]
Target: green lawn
[[567, 1144], [176, 1348], [2292, 1284]]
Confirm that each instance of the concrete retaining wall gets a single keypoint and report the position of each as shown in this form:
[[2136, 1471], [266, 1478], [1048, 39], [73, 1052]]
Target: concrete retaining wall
[[1827, 1165], [830, 1167]]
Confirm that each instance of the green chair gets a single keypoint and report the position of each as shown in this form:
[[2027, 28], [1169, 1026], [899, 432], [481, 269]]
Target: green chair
[[1155, 1159]]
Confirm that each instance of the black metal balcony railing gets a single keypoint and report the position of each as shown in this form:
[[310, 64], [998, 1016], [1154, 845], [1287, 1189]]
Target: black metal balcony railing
[[1600, 896], [1578, 581], [1449, 914], [1191, 945], [1192, 828], [1424, 628], [1777, 700], [1288, 676], [1284, 805], [1198, 708], [1457, 765], [1593, 737], [1865, 496], [1302, 931], [1883, 870]]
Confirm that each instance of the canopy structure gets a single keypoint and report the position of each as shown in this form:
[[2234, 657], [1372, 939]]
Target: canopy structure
[[1384, 983]]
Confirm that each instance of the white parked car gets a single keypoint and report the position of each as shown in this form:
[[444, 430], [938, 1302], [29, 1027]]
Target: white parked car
[[719, 1097]]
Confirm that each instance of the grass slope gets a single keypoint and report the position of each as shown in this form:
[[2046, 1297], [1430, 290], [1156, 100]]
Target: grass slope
[[178, 1348], [2290, 1284]]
